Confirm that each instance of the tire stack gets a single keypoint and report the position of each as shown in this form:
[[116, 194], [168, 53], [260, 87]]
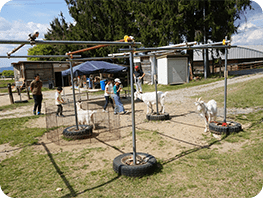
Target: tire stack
[[220, 128]]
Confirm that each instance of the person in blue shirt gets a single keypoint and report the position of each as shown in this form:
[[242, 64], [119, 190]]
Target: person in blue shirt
[[116, 90]]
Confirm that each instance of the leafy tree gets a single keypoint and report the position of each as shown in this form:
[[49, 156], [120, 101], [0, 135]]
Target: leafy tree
[[8, 73], [152, 22], [217, 23], [42, 50]]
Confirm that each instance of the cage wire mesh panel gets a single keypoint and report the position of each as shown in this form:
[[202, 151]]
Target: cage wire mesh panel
[[106, 128]]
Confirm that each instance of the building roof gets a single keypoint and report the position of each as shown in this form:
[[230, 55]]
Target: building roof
[[240, 52]]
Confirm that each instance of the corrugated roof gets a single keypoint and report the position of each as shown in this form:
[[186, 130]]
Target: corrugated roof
[[240, 52]]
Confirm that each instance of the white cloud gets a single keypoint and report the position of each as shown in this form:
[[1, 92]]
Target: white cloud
[[17, 30], [250, 32], [2, 3]]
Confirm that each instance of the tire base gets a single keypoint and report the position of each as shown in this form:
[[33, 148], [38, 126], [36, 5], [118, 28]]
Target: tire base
[[134, 170], [154, 116], [83, 132], [231, 127]]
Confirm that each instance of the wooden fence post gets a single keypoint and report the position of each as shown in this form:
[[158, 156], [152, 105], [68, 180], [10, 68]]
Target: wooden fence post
[[10, 93]]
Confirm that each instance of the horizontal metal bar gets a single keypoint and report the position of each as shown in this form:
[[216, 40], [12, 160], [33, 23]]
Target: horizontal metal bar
[[61, 42], [41, 56], [100, 58], [177, 48]]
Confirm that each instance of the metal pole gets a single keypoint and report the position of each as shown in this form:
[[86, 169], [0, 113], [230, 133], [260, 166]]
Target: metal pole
[[73, 89], [155, 82], [62, 42], [62, 78], [225, 74], [205, 62], [133, 109]]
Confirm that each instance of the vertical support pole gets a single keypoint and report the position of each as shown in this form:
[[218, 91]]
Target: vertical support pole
[[225, 74], [10, 93], [204, 50], [27, 91], [74, 97], [62, 78], [20, 93], [133, 109], [155, 81]]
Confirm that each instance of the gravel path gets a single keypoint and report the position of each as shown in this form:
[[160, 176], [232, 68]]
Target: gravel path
[[183, 94]]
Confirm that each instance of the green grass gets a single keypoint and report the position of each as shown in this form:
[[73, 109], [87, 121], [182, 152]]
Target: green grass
[[4, 83], [14, 132], [241, 95], [197, 172], [16, 105]]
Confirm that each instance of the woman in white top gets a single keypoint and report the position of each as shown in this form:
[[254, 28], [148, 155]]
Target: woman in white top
[[107, 94]]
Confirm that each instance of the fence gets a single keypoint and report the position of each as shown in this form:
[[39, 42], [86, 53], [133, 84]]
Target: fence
[[107, 124]]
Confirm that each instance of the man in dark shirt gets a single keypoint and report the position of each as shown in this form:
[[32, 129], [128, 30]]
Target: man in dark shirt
[[35, 88], [138, 75]]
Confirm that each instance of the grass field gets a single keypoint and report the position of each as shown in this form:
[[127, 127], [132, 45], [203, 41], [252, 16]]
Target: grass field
[[199, 172]]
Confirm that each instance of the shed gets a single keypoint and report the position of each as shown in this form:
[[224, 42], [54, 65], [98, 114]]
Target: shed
[[49, 71], [172, 69]]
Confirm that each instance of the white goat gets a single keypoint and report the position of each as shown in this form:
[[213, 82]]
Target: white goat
[[150, 98], [85, 116], [207, 111]]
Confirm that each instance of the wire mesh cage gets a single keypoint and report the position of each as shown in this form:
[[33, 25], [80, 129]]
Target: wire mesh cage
[[106, 125]]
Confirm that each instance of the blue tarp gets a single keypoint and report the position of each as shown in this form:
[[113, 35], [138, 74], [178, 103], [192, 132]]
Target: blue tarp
[[91, 67]]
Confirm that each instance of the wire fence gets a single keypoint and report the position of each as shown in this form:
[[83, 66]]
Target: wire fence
[[106, 128]]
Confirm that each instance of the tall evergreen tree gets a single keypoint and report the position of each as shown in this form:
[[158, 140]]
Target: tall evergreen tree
[[152, 22]]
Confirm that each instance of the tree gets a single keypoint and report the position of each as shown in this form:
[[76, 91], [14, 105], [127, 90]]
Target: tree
[[8, 73], [152, 22], [217, 23], [42, 50]]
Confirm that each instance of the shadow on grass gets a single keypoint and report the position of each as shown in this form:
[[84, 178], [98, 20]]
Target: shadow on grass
[[72, 191], [184, 153]]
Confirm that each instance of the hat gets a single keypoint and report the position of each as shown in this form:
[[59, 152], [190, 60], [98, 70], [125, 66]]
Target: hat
[[117, 80], [136, 67]]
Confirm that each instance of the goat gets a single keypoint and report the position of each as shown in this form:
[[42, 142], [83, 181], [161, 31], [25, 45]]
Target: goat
[[85, 116], [150, 98], [207, 111]]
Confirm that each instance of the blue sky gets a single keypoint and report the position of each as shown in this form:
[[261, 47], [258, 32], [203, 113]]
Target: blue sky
[[18, 18]]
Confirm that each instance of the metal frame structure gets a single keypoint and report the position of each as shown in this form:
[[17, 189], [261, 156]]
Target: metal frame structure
[[223, 45], [131, 50]]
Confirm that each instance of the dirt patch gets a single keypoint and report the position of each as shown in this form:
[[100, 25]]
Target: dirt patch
[[162, 139], [7, 151]]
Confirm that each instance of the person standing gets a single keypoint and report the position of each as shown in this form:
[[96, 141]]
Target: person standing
[[35, 87], [59, 101], [107, 95], [138, 75], [118, 105]]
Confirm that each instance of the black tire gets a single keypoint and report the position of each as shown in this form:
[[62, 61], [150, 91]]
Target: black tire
[[21, 101], [164, 116], [232, 127], [83, 132], [134, 170]]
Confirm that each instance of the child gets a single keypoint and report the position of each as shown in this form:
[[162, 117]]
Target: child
[[107, 94], [59, 101], [116, 89]]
